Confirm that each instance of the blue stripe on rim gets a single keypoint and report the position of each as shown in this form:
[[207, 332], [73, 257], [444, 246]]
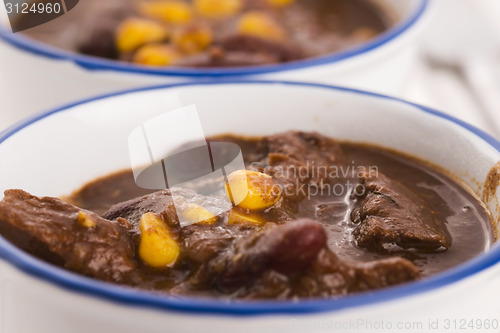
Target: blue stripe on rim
[[80, 284], [94, 63]]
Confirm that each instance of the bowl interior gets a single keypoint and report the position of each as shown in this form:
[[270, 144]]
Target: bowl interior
[[55, 153]]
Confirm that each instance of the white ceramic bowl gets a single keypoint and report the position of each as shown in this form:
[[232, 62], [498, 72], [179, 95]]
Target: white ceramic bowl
[[39, 77], [56, 152]]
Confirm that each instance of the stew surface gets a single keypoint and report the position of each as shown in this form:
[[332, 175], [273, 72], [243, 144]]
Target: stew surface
[[213, 33], [319, 218]]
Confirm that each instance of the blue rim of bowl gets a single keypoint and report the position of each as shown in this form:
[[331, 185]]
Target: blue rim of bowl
[[94, 63], [136, 297]]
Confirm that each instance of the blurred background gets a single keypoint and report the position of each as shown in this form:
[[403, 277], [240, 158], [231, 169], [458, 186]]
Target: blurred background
[[459, 67], [458, 71]]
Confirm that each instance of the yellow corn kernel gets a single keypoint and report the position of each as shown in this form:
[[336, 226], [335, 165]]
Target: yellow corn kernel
[[279, 3], [193, 39], [157, 247], [193, 213], [169, 11], [236, 216], [134, 32], [156, 55], [217, 9], [84, 220], [260, 24], [252, 190]]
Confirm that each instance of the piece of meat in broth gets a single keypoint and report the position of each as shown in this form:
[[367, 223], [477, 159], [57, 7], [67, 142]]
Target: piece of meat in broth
[[297, 253], [387, 212], [65, 235]]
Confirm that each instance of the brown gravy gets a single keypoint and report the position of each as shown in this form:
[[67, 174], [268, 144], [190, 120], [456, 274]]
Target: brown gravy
[[409, 221], [467, 220]]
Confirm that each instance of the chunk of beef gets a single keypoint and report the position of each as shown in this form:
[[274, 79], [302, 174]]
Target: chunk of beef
[[48, 228], [293, 260], [255, 45], [387, 212], [218, 57], [328, 276], [96, 36], [298, 161], [160, 203], [204, 242], [287, 249], [240, 51], [331, 276], [200, 242]]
